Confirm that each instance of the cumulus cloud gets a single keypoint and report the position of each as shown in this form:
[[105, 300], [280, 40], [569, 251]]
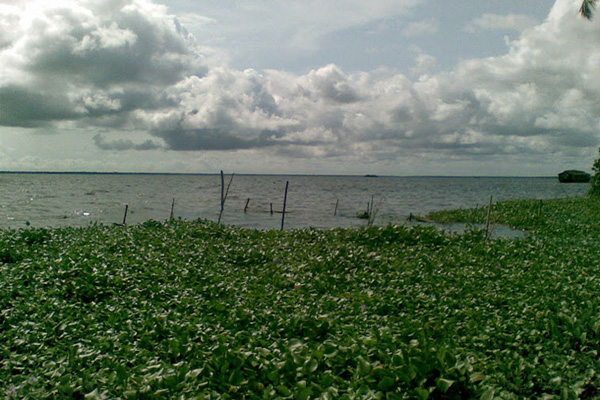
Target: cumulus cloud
[[63, 51], [132, 66]]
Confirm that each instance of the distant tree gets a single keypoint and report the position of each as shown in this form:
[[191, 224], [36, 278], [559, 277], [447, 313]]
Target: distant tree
[[587, 8], [595, 181]]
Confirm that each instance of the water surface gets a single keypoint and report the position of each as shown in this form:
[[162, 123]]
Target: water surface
[[52, 200]]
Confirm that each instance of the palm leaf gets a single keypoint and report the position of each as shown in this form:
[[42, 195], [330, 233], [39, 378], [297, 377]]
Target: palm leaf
[[587, 8]]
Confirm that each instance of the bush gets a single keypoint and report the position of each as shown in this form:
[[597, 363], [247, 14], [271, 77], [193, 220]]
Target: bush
[[595, 181]]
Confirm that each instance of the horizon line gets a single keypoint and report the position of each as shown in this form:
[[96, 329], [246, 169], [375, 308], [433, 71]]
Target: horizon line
[[266, 174]]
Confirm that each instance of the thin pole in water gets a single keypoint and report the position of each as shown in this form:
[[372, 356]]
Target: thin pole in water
[[246, 207], [125, 216], [284, 204], [487, 225], [336, 206], [172, 209], [224, 194]]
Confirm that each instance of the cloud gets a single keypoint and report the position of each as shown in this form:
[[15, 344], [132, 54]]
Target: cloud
[[131, 66], [300, 25], [124, 144], [517, 22], [426, 27], [79, 59], [425, 63]]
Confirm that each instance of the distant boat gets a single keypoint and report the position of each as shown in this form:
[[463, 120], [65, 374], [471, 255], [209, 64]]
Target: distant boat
[[574, 176]]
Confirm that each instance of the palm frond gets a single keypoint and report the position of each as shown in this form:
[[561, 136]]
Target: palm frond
[[587, 8]]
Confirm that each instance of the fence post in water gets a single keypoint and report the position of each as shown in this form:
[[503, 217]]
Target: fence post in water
[[271, 208], [284, 204], [487, 224], [224, 194], [246, 207], [336, 206], [172, 210], [125, 216]]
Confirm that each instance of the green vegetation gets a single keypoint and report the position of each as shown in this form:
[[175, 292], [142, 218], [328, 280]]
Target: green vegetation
[[200, 310], [595, 181]]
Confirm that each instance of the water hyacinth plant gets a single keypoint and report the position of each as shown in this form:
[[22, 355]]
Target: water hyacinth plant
[[198, 310]]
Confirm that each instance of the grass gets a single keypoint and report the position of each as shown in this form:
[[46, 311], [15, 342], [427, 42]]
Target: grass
[[196, 310]]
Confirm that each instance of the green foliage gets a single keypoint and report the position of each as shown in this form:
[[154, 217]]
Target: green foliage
[[595, 181], [587, 8], [198, 310]]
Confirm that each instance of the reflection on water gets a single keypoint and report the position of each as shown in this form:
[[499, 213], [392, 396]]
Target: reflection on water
[[80, 199]]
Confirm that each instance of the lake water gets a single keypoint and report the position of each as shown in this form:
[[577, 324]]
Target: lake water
[[52, 200]]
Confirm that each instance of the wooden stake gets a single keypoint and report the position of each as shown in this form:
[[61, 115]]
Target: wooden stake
[[222, 197], [271, 208], [224, 194], [246, 207], [172, 209], [487, 224], [336, 206], [284, 204], [125, 216]]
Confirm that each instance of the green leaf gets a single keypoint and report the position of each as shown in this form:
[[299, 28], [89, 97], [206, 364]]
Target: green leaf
[[364, 367], [236, 377], [312, 365], [273, 376], [303, 394], [444, 384], [194, 373], [295, 344], [421, 394], [386, 383], [476, 377], [284, 391], [487, 395]]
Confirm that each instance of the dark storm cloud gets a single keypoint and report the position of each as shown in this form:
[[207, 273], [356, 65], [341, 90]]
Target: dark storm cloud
[[124, 144], [22, 106], [212, 139]]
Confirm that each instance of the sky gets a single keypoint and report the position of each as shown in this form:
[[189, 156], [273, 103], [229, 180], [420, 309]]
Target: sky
[[390, 87]]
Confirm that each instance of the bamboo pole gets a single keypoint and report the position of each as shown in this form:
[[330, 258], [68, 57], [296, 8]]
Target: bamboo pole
[[271, 208], [246, 206], [336, 206], [487, 224], [284, 204], [172, 210], [224, 194], [125, 216]]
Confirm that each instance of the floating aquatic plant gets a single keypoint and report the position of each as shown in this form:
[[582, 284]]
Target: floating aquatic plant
[[198, 310]]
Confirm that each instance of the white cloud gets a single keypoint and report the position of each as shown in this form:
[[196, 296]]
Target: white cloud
[[134, 68], [299, 25], [517, 22], [425, 63], [426, 27]]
